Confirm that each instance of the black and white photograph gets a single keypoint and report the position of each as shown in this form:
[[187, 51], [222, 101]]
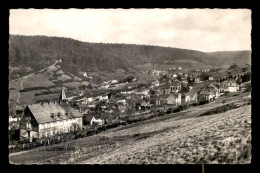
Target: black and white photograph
[[129, 86]]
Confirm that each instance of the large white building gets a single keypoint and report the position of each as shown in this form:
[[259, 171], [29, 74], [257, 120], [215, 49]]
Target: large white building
[[44, 120]]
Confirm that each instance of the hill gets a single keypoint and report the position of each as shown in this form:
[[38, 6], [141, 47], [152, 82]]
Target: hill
[[29, 54], [229, 57]]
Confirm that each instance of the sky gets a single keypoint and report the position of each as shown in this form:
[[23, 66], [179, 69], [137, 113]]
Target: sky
[[206, 30]]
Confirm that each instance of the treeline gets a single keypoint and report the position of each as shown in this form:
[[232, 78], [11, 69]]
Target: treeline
[[41, 51]]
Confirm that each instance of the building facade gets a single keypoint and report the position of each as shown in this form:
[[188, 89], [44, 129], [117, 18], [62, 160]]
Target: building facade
[[46, 120]]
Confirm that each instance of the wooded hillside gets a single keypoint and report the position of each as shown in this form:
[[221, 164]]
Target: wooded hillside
[[38, 52]]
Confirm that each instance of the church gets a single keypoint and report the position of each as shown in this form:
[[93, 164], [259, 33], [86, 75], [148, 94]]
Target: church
[[49, 119]]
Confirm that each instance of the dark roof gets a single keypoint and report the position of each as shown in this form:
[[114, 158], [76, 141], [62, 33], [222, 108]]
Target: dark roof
[[174, 95], [185, 94], [206, 92], [229, 83], [89, 118], [42, 112], [192, 92]]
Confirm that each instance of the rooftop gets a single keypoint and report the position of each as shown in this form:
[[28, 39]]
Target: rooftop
[[43, 112]]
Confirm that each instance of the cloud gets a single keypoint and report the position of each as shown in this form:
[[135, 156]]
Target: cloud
[[205, 30]]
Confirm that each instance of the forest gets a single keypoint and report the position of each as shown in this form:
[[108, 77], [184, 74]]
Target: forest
[[29, 54]]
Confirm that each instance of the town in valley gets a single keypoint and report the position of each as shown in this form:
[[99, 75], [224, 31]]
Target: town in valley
[[72, 102]]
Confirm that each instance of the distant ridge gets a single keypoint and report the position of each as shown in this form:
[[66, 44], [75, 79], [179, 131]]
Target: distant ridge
[[38, 52]]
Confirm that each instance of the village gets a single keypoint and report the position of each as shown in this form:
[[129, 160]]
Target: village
[[171, 91]]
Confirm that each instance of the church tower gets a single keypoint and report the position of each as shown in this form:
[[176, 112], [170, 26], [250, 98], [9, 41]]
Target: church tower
[[62, 97]]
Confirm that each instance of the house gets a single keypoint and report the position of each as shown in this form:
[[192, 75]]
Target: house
[[155, 83], [193, 96], [211, 78], [174, 99], [206, 94], [92, 105], [122, 101], [175, 87], [105, 86], [144, 105], [114, 81], [197, 80], [215, 88], [12, 118], [155, 99], [185, 98], [94, 120], [142, 92], [166, 89], [84, 74], [229, 86], [45, 120]]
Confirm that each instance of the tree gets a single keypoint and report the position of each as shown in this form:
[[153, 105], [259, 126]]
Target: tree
[[89, 86], [248, 87], [82, 87], [179, 77], [233, 66], [204, 76], [239, 80], [152, 92]]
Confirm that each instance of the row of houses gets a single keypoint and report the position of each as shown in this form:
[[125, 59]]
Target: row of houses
[[44, 120]]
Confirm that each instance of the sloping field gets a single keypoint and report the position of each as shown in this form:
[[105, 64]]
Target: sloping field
[[219, 138], [43, 85]]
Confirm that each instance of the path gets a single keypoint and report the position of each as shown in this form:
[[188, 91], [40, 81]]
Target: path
[[34, 72], [25, 77], [75, 77], [21, 86]]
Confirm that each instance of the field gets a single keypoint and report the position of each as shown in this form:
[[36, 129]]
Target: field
[[42, 85], [171, 139]]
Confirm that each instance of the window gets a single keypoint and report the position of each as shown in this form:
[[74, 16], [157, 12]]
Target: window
[[28, 125]]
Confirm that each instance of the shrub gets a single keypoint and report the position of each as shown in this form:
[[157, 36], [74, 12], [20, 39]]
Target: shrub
[[220, 109], [202, 102]]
